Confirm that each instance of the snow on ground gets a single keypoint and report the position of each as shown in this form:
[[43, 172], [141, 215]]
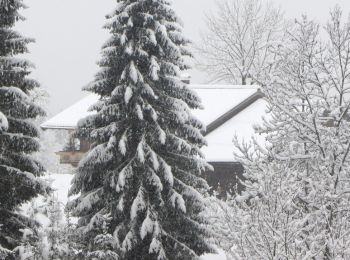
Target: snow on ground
[[61, 183]]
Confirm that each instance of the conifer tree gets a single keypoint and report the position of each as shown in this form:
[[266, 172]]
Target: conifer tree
[[140, 185], [56, 239], [18, 171]]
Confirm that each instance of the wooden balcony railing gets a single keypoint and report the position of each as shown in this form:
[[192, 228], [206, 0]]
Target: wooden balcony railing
[[70, 157]]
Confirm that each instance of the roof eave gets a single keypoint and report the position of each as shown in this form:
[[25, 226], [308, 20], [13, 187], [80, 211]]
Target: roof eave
[[233, 112], [46, 127]]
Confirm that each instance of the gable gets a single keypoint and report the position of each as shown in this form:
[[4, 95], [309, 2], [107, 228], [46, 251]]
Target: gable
[[233, 112], [219, 99], [220, 146]]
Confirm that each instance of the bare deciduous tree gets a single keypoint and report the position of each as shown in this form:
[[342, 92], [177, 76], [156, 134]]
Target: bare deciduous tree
[[239, 41], [297, 197]]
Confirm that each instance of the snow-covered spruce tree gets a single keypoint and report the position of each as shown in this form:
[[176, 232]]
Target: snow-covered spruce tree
[[296, 203], [18, 171], [139, 183]]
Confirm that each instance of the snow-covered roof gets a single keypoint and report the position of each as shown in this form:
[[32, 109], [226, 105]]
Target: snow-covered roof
[[219, 99], [68, 118], [226, 112], [220, 142], [216, 99]]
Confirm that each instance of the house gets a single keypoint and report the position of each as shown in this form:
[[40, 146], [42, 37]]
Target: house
[[228, 110]]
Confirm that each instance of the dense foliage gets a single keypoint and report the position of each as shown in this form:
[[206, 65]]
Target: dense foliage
[[140, 184], [19, 172]]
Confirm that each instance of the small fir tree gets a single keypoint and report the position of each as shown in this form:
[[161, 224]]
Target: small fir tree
[[57, 238], [140, 184], [57, 247], [18, 135]]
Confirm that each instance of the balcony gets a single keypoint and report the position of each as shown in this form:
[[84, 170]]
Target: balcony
[[71, 157], [74, 151]]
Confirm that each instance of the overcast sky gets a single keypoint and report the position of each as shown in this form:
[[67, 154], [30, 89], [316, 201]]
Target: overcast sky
[[69, 36]]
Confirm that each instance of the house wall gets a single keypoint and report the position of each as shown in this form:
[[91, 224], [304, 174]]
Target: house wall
[[225, 179], [84, 145], [229, 110]]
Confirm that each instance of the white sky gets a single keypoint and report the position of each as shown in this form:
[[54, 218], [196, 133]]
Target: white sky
[[69, 36]]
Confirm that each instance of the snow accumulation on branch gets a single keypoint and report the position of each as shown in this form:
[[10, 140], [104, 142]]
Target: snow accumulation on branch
[[3, 122]]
